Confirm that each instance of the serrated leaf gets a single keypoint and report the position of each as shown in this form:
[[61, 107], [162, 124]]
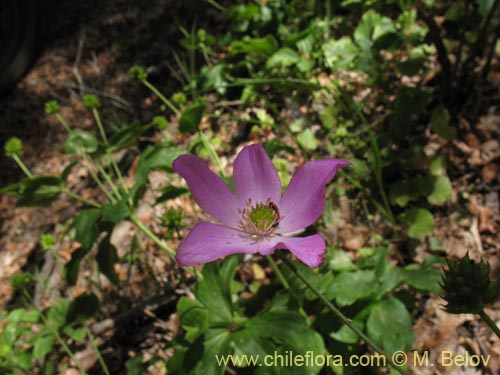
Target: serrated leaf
[[214, 294], [191, 117], [389, 325], [79, 141], [349, 287], [283, 57], [43, 346], [115, 213], [38, 191]]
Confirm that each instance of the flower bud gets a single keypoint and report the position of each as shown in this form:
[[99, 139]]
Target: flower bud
[[137, 73], [51, 107], [14, 146], [467, 286], [91, 101]]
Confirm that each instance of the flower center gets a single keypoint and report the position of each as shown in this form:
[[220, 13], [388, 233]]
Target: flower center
[[261, 219]]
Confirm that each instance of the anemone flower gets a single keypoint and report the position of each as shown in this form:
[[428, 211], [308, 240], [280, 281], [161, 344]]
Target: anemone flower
[[255, 217]]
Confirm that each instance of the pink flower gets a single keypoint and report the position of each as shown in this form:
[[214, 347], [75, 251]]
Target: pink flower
[[255, 218]]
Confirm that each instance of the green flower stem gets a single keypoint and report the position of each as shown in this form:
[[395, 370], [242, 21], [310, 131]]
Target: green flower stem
[[216, 5], [151, 235], [95, 112], [171, 252], [490, 323], [281, 81], [109, 180], [96, 350], [63, 122], [278, 272], [96, 178], [213, 155], [161, 96], [338, 313], [78, 197], [22, 166], [117, 171]]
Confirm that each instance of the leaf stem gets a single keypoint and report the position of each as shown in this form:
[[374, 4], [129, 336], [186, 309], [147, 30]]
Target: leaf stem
[[96, 178], [490, 323], [278, 272], [339, 314], [78, 197], [22, 166], [63, 122], [139, 224], [162, 97], [96, 350]]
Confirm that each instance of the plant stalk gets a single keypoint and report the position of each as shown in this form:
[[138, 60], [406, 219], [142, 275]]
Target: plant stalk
[[339, 314], [490, 323]]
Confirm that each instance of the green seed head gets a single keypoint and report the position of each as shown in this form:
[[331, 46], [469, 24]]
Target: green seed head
[[51, 107], [14, 146], [137, 73], [91, 101], [467, 286]]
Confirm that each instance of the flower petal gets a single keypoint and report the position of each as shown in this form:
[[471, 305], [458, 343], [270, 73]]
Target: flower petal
[[255, 177], [309, 250], [304, 198], [207, 242], [208, 189]]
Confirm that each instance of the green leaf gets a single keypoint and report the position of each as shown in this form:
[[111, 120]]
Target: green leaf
[[307, 139], [82, 307], [38, 191], [159, 156], [440, 123], [194, 317], [340, 54], [136, 365], [389, 325], [79, 141], [57, 313], [424, 279], [115, 213], [419, 220], [349, 287], [217, 342], [86, 228], [256, 47], [191, 117], [339, 261], [403, 192], [213, 78], [43, 346], [441, 189], [73, 266], [171, 192], [275, 145], [106, 258], [126, 137], [214, 294], [283, 57]]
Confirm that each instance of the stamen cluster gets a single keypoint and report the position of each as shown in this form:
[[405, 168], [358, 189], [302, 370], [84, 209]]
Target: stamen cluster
[[259, 220]]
